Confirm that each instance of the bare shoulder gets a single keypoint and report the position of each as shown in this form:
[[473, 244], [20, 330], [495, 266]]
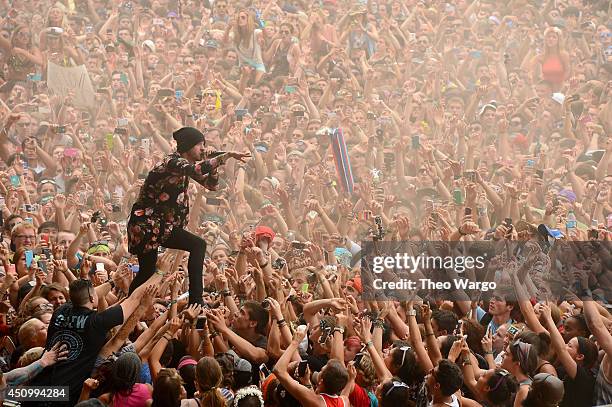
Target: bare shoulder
[[467, 402]]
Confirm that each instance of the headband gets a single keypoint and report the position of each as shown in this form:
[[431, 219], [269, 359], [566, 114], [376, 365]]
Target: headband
[[523, 354], [248, 391]]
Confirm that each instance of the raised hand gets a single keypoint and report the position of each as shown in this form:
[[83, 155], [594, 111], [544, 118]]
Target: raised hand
[[365, 331], [175, 324], [487, 342], [58, 352], [149, 296], [164, 263], [192, 312], [59, 201], [455, 350], [300, 334], [91, 384], [338, 304]]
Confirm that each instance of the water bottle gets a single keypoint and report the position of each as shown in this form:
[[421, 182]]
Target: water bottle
[[571, 224], [482, 205]]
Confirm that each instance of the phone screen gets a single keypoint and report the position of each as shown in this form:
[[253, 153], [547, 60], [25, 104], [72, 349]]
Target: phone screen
[[302, 368], [264, 369], [29, 256]]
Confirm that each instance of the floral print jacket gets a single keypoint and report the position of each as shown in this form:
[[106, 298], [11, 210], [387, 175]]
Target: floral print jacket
[[163, 202]]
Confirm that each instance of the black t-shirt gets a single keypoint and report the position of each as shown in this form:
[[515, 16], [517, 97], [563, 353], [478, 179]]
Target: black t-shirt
[[579, 390], [317, 362], [84, 331]]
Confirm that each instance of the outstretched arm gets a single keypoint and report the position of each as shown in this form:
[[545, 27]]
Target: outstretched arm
[[558, 344], [307, 397]]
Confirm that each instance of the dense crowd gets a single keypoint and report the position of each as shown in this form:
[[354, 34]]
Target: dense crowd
[[391, 120]]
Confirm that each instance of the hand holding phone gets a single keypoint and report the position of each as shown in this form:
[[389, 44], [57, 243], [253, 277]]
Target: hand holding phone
[[29, 257]]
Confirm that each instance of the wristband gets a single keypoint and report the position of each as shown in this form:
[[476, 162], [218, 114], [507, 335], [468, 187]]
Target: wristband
[[338, 329], [489, 353], [174, 301], [226, 293], [378, 323], [213, 334], [280, 321], [112, 283], [369, 343], [429, 334], [411, 313], [264, 265]]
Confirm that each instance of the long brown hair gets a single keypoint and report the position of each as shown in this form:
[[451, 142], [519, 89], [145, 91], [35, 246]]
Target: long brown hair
[[208, 379], [167, 389], [243, 35], [17, 30]]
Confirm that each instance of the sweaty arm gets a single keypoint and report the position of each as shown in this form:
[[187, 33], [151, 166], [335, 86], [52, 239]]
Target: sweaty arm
[[244, 348]]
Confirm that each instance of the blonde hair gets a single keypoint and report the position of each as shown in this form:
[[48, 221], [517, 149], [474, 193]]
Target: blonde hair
[[30, 356], [560, 47]]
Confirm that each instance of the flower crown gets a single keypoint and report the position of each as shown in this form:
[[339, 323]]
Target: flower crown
[[248, 391]]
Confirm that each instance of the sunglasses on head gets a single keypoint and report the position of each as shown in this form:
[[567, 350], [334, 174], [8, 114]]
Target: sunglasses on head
[[404, 349], [396, 384], [99, 242], [503, 374]]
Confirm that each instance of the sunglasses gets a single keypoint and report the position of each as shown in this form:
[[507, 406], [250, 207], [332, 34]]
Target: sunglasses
[[43, 307], [396, 384], [98, 243], [503, 373], [404, 349]]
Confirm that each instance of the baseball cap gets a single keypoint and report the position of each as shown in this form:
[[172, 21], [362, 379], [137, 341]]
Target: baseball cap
[[546, 231], [568, 194], [548, 388], [264, 232], [149, 44], [210, 43]]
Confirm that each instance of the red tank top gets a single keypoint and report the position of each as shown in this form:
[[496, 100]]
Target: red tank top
[[332, 401], [553, 70]]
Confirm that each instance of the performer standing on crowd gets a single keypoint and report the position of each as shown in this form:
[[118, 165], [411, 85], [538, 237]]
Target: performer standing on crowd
[[160, 213]]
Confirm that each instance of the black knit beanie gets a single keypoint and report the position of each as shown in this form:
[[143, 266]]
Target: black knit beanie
[[186, 138]]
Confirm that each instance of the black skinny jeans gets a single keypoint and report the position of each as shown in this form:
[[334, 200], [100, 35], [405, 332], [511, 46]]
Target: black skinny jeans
[[182, 240]]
